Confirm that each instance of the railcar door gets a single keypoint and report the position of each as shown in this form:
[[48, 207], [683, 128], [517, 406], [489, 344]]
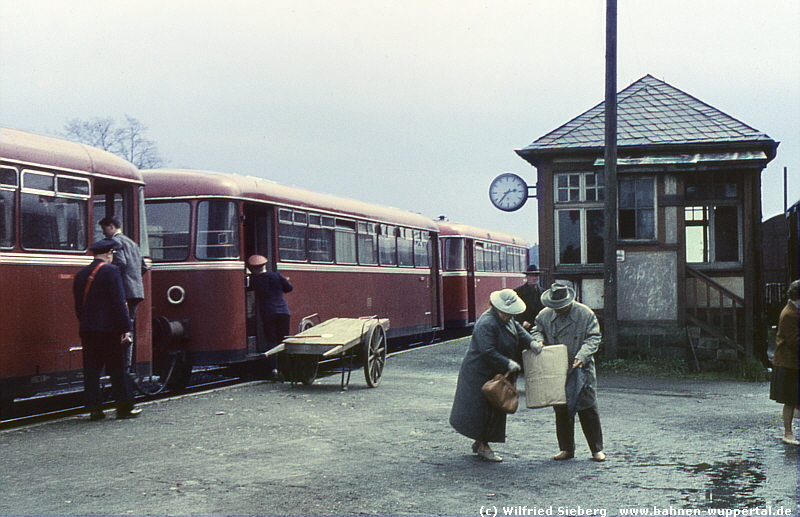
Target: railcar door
[[469, 250], [258, 229]]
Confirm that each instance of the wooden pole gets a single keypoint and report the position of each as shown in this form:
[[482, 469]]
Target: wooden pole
[[610, 330]]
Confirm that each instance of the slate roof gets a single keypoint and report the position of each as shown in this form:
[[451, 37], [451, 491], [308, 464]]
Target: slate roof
[[650, 112]]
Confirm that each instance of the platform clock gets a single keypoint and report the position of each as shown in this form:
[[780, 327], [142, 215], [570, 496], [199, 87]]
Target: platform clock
[[508, 192]]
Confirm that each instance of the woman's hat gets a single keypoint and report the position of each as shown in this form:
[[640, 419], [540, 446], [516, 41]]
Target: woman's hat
[[558, 296], [506, 300], [256, 260]]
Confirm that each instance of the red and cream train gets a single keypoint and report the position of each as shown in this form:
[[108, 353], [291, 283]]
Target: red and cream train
[[345, 258]]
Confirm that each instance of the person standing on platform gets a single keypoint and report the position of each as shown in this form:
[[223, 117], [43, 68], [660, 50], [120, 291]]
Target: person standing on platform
[[269, 287], [531, 294], [564, 321], [104, 329], [783, 386], [130, 263]]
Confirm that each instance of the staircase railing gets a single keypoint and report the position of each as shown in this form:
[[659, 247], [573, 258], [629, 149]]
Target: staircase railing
[[709, 303]]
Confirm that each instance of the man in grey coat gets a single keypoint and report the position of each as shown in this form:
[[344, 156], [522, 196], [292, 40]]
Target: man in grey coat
[[564, 321], [129, 261]]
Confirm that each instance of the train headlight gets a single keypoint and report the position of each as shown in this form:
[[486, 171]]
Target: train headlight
[[176, 295]]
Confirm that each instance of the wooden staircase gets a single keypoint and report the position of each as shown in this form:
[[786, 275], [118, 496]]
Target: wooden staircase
[[714, 316]]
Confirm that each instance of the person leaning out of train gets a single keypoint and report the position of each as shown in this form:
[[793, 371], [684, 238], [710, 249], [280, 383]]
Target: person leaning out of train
[[784, 383], [568, 322], [495, 347], [270, 287], [105, 330]]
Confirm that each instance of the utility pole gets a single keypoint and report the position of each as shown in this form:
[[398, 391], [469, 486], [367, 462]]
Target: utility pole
[[610, 330]]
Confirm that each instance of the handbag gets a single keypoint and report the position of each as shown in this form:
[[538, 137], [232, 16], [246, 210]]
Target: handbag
[[501, 394]]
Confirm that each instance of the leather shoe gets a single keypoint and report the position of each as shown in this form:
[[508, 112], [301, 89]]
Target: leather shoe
[[489, 456], [599, 456], [96, 415], [564, 455], [475, 446], [131, 413]]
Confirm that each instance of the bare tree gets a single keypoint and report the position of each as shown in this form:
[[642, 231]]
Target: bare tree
[[127, 141]]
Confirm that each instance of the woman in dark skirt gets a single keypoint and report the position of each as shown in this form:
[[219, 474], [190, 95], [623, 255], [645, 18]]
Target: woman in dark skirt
[[783, 388], [497, 341]]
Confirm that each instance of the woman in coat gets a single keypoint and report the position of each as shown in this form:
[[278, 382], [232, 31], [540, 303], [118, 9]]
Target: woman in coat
[[783, 387], [497, 341]]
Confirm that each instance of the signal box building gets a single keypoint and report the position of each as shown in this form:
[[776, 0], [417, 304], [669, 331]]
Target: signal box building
[[688, 221]]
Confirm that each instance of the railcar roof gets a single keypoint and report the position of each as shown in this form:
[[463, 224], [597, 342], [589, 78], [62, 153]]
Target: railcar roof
[[188, 183], [33, 149], [451, 229]]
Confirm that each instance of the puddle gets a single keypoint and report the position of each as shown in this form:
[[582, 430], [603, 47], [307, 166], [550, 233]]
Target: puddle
[[730, 484]]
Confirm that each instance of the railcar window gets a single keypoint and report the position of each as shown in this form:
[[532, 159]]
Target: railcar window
[[454, 255], [345, 238], [217, 230], [100, 211], [8, 187], [387, 245], [168, 230], [405, 247], [292, 226], [320, 238], [52, 220], [422, 249], [367, 244], [480, 259]]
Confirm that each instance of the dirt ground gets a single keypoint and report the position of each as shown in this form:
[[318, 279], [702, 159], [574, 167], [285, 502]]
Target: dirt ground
[[266, 448]]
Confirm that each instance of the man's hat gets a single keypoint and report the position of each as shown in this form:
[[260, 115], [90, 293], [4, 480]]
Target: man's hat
[[104, 246], [256, 260], [558, 296], [506, 300], [532, 270]]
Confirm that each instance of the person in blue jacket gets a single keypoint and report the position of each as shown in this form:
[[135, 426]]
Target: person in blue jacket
[[269, 287], [105, 330]]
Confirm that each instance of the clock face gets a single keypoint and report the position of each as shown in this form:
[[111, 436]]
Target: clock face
[[508, 192]]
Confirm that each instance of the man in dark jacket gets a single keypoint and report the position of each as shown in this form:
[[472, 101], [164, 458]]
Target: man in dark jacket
[[104, 330], [531, 294]]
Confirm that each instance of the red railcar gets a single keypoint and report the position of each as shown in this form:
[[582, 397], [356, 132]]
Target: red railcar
[[52, 193], [476, 262], [345, 258]]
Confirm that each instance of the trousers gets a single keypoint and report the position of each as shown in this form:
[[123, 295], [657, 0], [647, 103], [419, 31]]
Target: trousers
[[590, 423], [104, 350]]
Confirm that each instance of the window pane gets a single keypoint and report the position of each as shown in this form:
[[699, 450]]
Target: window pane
[[53, 223], [387, 246], [8, 177], [594, 236], [168, 230], [696, 248], [421, 249], [7, 226], [627, 224], [217, 230], [627, 193], [320, 244], [480, 263], [726, 234], [39, 181], [454, 254], [345, 247], [367, 249], [73, 186], [405, 248], [644, 192], [645, 224], [569, 236]]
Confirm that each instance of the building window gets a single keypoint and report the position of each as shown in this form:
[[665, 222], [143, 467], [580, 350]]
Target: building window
[[712, 234], [637, 208], [579, 217]]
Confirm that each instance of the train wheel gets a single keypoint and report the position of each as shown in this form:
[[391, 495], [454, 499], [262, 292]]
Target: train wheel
[[374, 356]]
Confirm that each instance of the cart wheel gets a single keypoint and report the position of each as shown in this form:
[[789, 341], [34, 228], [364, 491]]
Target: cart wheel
[[374, 356], [306, 368]]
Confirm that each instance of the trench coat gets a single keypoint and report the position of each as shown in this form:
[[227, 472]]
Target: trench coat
[[491, 347], [580, 331]]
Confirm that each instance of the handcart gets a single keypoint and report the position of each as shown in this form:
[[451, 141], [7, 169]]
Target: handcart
[[352, 341]]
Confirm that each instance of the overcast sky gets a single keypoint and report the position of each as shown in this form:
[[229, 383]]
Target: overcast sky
[[414, 104]]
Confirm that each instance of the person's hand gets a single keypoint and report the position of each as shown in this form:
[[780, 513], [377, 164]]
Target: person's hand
[[126, 338], [536, 347], [527, 325], [513, 366], [577, 363]]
